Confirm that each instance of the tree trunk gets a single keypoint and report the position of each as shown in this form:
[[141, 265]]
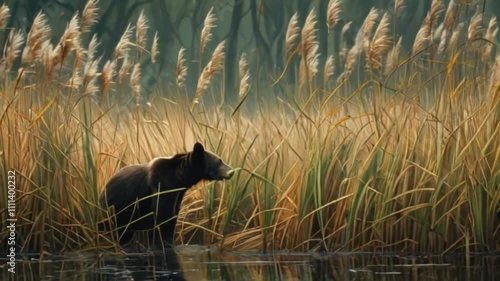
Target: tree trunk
[[232, 50]]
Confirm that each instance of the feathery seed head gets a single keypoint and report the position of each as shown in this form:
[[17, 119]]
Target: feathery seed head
[[181, 68], [244, 75], [490, 35], [309, 41], [333, 13], [89, 15], [15, 41], [329, 69], [135, 81], [475, 27], [494, 83], [380, 43], [437, 8], [141, 31], [292, 33], [37, 38], [206, 34], [392, 59], [92, 49], [455, 36], [351, 59], [449, 17], [214, 66], [398, 6], [364, 33], [123, 46], [154, 48], [124, 68], [423, 36], [309, 48], [4, 15], [107, 75], [70, 40]]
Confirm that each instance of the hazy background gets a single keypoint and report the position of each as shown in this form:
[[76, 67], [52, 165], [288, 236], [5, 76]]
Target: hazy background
[[255, 27]]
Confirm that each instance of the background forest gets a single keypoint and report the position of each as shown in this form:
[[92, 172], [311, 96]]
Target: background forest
[[257, 28]]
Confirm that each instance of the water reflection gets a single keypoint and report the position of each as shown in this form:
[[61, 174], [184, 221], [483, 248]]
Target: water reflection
[[152, 266], [200, 263]]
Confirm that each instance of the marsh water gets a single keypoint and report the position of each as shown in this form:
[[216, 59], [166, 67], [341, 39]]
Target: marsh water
[[200, 263]]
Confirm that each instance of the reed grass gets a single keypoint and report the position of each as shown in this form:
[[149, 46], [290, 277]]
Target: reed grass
[[401, 155]]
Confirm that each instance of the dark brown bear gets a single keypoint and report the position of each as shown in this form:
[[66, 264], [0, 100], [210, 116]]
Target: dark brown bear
[[148, 196]]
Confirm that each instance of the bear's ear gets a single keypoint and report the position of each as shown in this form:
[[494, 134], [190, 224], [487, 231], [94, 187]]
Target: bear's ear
[[198, 148]]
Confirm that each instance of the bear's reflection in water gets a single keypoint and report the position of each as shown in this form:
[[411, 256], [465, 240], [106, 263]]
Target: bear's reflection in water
[[157, 266]]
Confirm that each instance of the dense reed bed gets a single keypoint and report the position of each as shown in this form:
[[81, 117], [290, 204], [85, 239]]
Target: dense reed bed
[[380, 148]]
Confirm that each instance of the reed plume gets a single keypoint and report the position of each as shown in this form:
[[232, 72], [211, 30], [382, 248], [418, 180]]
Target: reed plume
[[380, 44], [38, 37], [333, 13], [423, 36], [309, 49], [437, 8], [15, 41], [90, 69], [344, 30], [154, 48], [124, 68], [89, 15], [351, 59], [140, 33], [490, 35], [494, 83], [363, 36], [443, 40], [92, 49], [89, 80], [244, 75], [449, 16], [350, 62], [309, 42], [455, 36], [474, 30], [46, 58], [135, 82], [123, 46], [329, 70], [4, 15], [292, 33], [343, 45], [75, 81], [344, 76], [69, 41], [107, 75], [398, 6], [436, 36], [206, 32], [180, 68], [214, 66], [392, 59]]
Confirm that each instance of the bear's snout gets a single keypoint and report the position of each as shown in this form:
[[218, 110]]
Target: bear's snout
[[229, 174], [224, 173]]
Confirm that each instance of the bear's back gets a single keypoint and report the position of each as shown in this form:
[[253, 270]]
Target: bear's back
[[126, 186]]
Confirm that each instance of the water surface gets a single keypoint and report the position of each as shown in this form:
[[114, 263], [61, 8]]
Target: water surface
[[201, 263]]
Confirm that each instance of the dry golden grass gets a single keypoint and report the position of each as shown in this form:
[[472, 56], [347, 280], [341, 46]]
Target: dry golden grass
[[407, 162]]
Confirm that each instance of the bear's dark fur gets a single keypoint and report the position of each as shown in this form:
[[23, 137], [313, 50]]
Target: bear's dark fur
[[148, 196]]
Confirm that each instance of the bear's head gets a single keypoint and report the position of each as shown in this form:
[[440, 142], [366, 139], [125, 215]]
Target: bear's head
[[214, 168]]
